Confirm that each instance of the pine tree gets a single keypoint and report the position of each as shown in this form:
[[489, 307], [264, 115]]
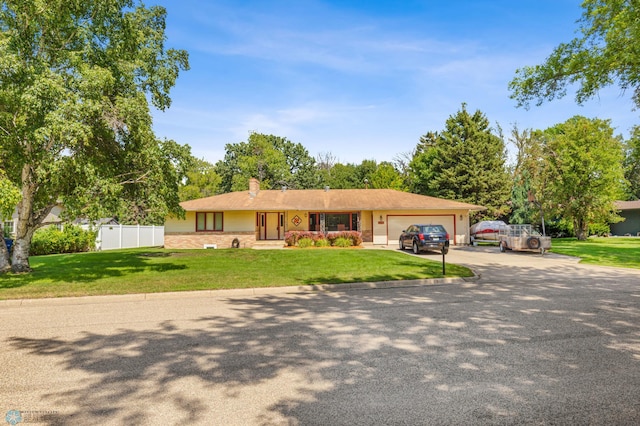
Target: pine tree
[[465, 162]]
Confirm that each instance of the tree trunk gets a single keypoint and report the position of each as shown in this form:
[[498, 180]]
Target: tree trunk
[[580, 227], [5, 265], [20, 257], [25, 226]]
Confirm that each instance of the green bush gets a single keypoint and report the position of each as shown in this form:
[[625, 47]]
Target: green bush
[[291, 238], [343, 242], [354, 237], [72, 239], [599, 229], [305, 242], [321, 242]]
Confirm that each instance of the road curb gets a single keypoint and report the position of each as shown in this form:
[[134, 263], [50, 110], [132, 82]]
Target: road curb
[[237, 292]]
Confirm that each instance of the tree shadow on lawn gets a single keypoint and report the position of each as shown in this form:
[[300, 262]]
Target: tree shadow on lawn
[[88, 267], [475, 354]]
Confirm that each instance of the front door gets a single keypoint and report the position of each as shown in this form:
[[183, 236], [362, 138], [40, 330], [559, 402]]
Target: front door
[[270, 225]]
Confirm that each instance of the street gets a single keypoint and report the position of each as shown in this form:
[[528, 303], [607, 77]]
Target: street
[[532, 340]]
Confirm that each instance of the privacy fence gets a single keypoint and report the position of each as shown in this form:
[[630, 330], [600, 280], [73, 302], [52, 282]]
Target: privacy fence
[[112, 237]]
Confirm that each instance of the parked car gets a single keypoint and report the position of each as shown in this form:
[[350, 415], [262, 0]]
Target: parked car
[[425, 237], [487, 230], [9, 243]]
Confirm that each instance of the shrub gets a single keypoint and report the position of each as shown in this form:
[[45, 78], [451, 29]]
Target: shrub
[[354, 237], [291, 238], [343, 242], [72, 239], [318, 237], [321, 242], [305, 242], [599, 229]]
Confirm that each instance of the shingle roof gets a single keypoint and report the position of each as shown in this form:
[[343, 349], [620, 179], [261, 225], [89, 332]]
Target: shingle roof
[[321, 200], [628, 205]]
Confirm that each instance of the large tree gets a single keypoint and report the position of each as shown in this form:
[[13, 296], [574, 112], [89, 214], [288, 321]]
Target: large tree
[[528, 180], [75, 126], [606, 53], [273, 160], [584, 171], [632, 164], [202, 180], [341, 176], [465, 162], [387, 176]]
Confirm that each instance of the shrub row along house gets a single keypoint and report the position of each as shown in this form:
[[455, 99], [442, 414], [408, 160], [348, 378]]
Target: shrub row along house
[[248, 218]]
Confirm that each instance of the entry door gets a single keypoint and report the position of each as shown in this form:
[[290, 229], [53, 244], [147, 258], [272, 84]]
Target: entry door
[[270, 225], [273, 226]]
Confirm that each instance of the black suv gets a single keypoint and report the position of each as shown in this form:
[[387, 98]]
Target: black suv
[[425, 237]]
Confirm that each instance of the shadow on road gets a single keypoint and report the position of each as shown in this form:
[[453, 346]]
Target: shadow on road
[[532, 346]]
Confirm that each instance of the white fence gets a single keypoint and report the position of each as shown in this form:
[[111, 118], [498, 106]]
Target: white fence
[[112, 237]]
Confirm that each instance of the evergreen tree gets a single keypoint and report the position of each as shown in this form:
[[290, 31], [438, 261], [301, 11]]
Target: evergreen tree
[[465, 162]]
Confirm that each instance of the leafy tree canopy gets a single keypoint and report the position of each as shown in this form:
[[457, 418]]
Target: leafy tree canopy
[[202, 180], [583, 171], [273, 160], [75, 127], [606, 53], [386, 176], [632, 164]]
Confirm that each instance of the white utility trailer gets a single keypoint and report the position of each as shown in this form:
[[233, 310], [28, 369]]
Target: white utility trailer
[[522, 238]]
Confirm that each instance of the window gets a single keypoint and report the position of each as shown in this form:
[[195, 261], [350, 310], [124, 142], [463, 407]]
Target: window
[[334, 222], [7, 227], [314, 222], [209, 221]]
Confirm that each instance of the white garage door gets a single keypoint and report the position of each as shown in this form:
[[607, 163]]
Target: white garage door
[[397, 224]]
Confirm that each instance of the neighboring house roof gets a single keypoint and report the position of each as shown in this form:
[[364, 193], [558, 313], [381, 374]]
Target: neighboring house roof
[[101, 221], [628, 205], [324, 200]]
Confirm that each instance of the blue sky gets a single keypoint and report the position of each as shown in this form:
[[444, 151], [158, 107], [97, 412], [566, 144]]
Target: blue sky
[[362, 79]]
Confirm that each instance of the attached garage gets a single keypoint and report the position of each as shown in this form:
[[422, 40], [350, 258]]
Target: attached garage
[[398, 223]]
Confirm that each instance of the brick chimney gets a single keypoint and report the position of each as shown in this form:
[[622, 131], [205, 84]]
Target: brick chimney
[[254, 187]]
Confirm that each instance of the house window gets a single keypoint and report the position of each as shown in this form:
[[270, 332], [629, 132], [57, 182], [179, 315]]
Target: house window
[[334, 222], [314, 222], [7, 227], [209, 221]]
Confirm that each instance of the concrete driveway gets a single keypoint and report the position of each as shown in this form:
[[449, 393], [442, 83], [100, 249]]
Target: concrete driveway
[[533, 340]]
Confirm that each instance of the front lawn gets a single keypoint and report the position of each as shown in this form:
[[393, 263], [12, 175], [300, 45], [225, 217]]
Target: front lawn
[[612, 251], [160, 270]]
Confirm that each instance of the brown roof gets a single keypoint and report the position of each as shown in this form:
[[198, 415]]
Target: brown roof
[[321, 200], [628, 205]]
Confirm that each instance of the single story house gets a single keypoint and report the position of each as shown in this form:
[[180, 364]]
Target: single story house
[[53, 219], [630, 211], [251, 217]]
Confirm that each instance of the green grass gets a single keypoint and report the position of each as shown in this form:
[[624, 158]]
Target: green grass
[[620, 252], [159, 270]]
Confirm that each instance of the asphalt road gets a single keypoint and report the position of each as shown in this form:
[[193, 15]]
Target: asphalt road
[[533, 340]]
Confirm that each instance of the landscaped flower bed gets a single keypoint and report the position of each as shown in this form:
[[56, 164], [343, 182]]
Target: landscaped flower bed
[[305, 239]]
